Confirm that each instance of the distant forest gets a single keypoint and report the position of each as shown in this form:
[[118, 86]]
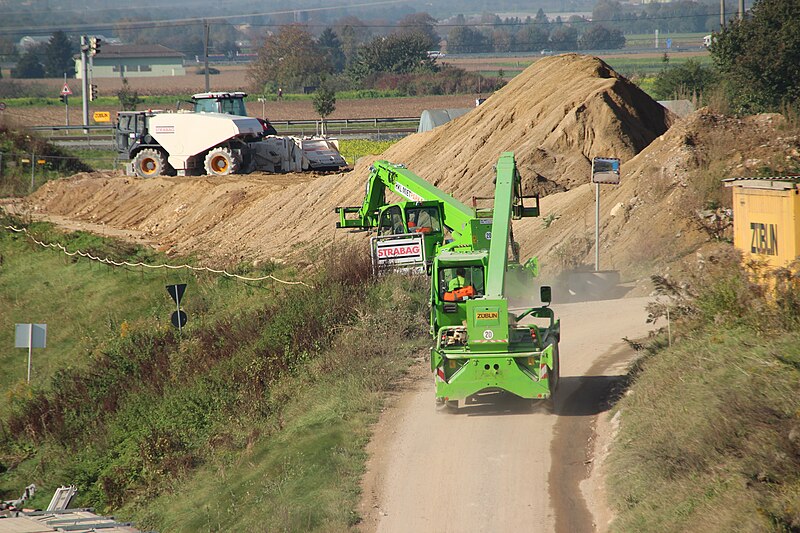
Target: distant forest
[[75, 15]]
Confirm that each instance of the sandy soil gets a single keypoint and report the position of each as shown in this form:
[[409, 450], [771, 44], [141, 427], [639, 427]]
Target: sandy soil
[[507, 468], [495, 464]]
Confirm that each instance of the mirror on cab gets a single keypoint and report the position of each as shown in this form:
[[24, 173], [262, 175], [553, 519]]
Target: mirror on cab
[[546, 294]]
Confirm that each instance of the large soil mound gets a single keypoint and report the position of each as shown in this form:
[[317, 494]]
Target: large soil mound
[[555, 116]]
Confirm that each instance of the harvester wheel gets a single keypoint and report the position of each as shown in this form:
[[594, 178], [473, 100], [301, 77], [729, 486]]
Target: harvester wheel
[[221, 162], [149, 163]]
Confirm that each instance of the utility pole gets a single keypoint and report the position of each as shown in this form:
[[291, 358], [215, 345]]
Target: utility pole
[[721, 13], [85, 79], [66, 102], [205, 53], [741, 10]]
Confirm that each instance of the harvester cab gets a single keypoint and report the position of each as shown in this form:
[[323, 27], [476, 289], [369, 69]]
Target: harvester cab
[[228, 104]]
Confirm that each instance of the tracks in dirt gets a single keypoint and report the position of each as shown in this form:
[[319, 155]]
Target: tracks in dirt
[[495, 465]]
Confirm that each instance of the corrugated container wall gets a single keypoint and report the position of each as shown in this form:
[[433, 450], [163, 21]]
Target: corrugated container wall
[[766, 218]]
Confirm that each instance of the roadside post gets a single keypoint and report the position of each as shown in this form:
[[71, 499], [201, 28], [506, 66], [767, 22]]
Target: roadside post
[[64, 97], [178, 318], [30, 336], [604, 170]]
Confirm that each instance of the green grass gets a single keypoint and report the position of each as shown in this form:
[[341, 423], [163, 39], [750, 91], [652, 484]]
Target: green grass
[[646, 67], [169, 102], [254, 418], [97, 159], [352, 149], [710, 430]]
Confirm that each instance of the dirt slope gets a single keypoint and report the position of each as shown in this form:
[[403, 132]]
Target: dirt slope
[[556, 115]]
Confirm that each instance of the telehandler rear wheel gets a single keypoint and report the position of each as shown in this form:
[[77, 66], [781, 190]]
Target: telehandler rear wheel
[[149, 163], [221, 162]]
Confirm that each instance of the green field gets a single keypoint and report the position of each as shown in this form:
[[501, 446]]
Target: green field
[[251, 419], [646, 67], [710, 429]]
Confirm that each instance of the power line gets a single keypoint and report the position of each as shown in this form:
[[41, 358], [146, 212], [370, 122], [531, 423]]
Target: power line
[[199, 21], [184, 21]]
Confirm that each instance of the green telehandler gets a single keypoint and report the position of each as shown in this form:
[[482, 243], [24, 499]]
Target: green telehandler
[[480, 342]]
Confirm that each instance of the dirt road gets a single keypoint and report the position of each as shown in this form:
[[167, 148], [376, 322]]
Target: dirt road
[[496, 465]]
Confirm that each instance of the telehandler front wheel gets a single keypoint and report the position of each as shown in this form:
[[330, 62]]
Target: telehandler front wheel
[[221, 162], [149, 163]]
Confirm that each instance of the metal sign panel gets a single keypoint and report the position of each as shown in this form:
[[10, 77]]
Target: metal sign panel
[[179, 319], [398, 252], [605, 170], [176, 292], [30, 336]]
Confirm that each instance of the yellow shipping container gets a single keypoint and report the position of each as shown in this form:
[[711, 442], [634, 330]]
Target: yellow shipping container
[[766, 218]]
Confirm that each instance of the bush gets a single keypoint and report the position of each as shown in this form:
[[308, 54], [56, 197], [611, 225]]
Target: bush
[[710, 428], [447, 81], [684, 81]]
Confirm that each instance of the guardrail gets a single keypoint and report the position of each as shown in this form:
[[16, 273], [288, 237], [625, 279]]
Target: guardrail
[[103, 135], [95, 136]]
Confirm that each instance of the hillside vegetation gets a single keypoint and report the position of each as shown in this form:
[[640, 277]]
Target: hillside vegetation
[[17, 147], [710, 430], [254, 417]]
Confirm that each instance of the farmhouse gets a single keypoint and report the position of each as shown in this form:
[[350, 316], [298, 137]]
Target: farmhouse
[[133, 61]]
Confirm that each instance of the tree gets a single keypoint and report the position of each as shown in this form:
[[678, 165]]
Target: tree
[[57, 56], [532, 37], [128, 100], [289, 59], [564, 38], [421, 23], [29, 65], [396, 53], [466, 40], [324, 102], [329, 43], [759, 57], [608, 11], [352, 33], [690, 78], [598, 37]]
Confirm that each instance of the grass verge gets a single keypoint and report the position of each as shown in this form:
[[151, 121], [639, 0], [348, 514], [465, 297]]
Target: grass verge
[[255, 417], [710, 432]]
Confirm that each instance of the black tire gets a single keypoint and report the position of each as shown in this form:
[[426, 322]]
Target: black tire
[[221, 162], [149, 163]]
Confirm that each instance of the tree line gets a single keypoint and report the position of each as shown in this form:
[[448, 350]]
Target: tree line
[[755, 63]]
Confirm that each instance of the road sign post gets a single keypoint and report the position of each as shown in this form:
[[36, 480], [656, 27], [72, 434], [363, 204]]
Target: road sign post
[[604, 170], [85, 80], [30, 336], [178, 318], [65, 94]]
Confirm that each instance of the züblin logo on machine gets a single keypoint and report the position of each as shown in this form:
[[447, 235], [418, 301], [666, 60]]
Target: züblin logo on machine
[[764, 238]]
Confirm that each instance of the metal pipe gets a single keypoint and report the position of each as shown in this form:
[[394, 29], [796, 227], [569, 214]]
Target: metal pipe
[[85, 78], [597, 227]]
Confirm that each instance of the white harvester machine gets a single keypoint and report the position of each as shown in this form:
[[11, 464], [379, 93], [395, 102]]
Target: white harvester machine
[[216, 138]]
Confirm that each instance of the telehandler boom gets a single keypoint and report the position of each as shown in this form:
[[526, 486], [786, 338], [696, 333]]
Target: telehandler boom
[[479, 343]]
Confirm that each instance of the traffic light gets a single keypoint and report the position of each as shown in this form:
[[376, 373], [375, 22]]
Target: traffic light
[[94, 45], [93, 92], [63, 98]]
